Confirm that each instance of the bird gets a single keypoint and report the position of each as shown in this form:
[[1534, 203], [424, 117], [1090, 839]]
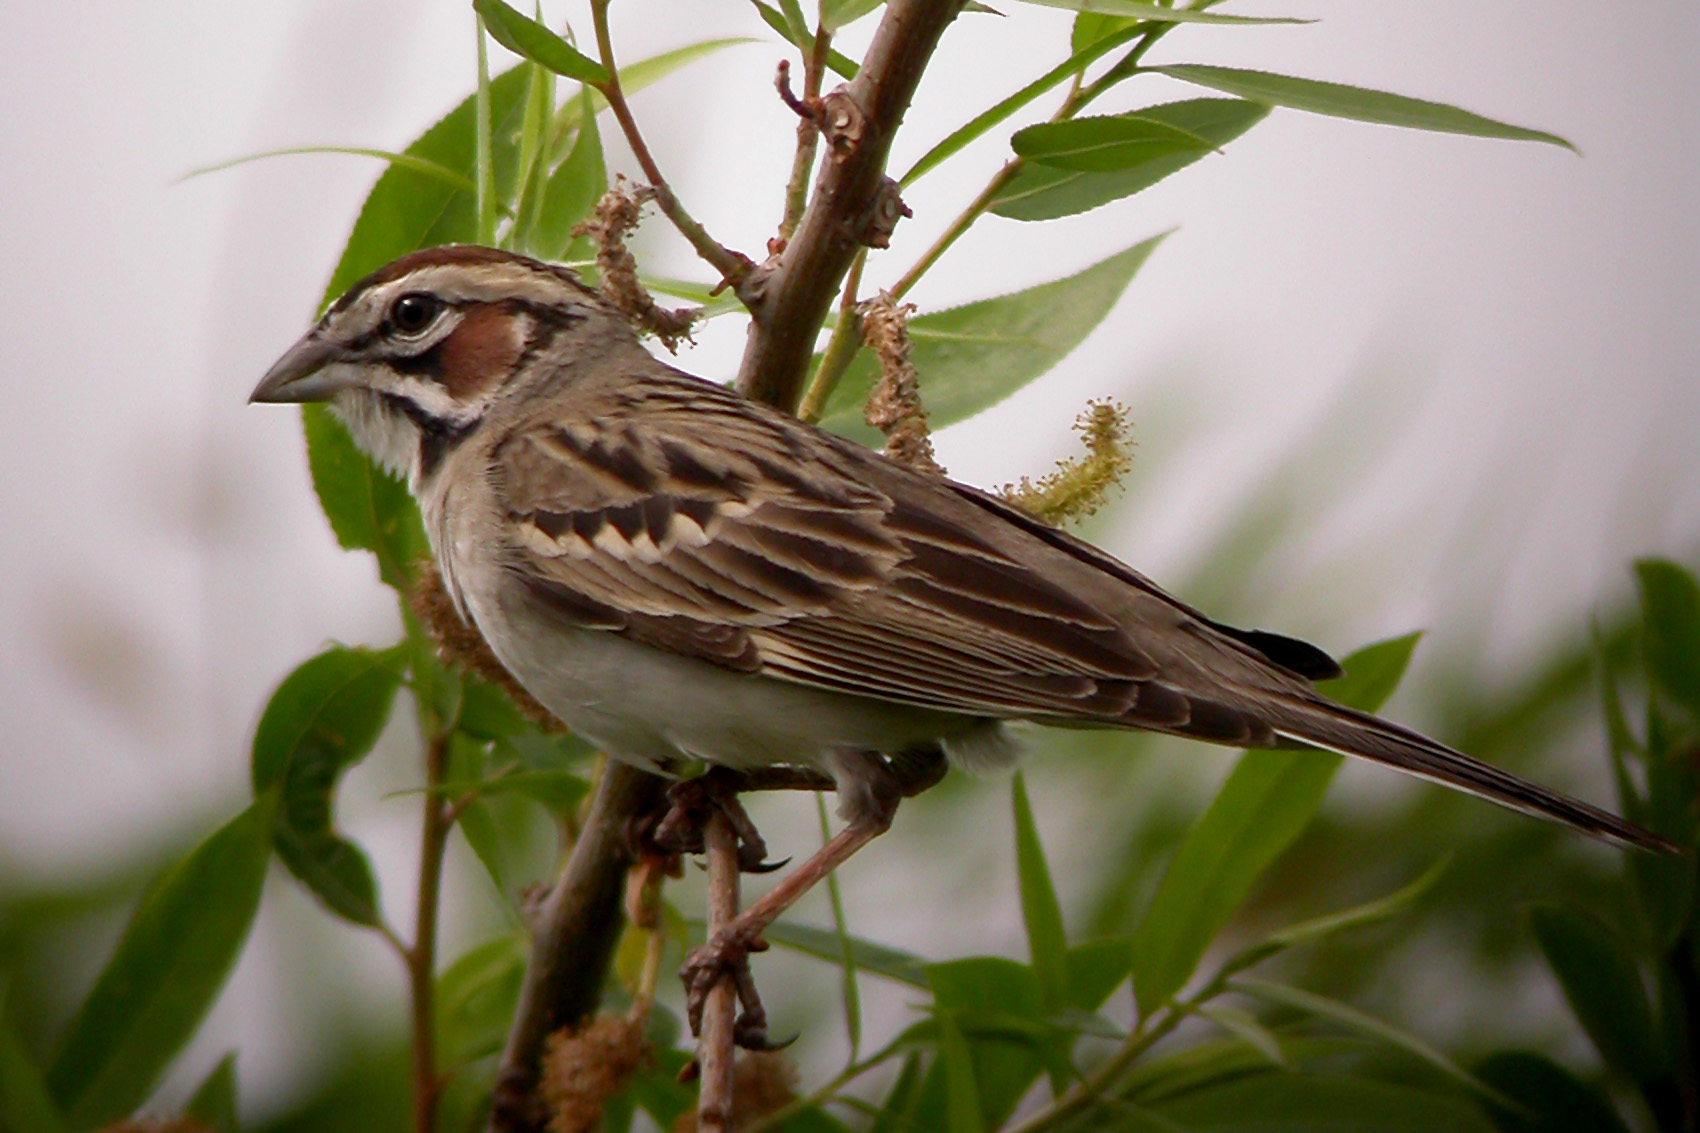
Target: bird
[[684, 576]]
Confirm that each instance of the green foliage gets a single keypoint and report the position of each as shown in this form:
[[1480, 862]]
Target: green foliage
[[525, 36], [173, 959], [1045, 190], [975, 355], [1341, 101], [323, 719], [213, 1103]]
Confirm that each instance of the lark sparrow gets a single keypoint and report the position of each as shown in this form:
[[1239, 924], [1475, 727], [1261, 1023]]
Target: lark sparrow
[[685, 576]]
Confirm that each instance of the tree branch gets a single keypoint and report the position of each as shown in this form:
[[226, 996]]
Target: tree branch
[[716, 1049], [576, 932], [789, 304]]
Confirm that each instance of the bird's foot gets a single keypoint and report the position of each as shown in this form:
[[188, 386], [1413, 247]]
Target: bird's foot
[[727, 957], [689, 804]]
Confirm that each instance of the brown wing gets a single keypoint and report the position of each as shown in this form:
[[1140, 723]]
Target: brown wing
[[693, 522]]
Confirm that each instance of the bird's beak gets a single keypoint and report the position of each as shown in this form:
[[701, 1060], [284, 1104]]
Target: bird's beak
[[307, 372]]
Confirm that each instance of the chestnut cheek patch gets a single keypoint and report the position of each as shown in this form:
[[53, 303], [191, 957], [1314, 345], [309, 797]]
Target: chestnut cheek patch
[[480, 352]]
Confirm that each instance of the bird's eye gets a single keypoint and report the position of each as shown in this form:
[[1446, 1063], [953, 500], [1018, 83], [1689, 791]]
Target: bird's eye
[[414, 312]]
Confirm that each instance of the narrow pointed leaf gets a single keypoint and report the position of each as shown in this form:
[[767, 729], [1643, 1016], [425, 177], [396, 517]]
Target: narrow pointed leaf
[[962, 1096], [973, 356], [25, 1104], [213, 1104], [1042, 192], [1244, 1026], [574, 188], [1602, 983], [1286, 1103], [1670, 610], [892, 963], [1341, 101], [1557, 1101], [1105, 144], [1085, 54], [1353, 1019], [1095, 969], [835, 14], [837, 62], [1156, 13], [476, 998], [848, 984], [405, 160], [525, 36], [165, 973], [1371, 912], [368, 509], [1268, 799], [1040, 910], [997, 1004], [323, 719]]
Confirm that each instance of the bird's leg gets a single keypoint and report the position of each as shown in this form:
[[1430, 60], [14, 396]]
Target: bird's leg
[[874, 792]]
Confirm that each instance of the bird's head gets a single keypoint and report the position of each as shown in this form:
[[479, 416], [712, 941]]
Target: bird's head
[[414, 356]]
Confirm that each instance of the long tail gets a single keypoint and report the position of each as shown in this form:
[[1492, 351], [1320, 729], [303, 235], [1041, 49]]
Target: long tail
[[1345, 730]]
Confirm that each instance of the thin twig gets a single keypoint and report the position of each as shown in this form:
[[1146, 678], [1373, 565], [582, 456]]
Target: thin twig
[[732, 266], [716, 1048], [808, 128], [422, 957], [861, 119]]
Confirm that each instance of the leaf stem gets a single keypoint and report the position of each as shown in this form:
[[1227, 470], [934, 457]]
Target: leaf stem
[[729, 264], [1078, 98], [486, 173], [840, 348], [422, 957]]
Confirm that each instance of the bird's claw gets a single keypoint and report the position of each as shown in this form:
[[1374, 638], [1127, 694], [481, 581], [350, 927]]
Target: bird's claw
[[680, 829], [727, 956]]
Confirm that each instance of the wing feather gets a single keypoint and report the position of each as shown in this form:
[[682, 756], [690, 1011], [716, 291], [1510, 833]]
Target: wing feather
[[771, 553]]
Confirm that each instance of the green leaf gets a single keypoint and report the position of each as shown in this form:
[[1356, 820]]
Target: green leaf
[[1091, 27], [25, 1104], [1041, 192], [962, 1097], [1368, 1025], [843, 65], [823, 944], [407, 210], [525, 36], [533, 157], [897, 1113], [1267, 800], [574, 188], [1207, 1065], [1556, 1100], [323, 719], [1603, 985], [165, 973], [1670, 611], [406, 160], [476, 999], [1107, 144], [213, 1103], [1369, 912], [1356, 103], [1372, 674], [1084, 55], [1156, 13], [1289, 1103], [368, 510], [850, 990], [835, 14], [1095, 969], [997, 1003], [1040, 910], [973, 356], [479, 828], [1243, 1026]]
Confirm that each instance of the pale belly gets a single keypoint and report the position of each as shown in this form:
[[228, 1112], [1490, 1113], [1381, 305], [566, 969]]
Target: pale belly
[[658, 710]]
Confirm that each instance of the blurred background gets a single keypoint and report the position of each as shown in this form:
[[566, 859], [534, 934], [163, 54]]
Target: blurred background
[[1381, 380]]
